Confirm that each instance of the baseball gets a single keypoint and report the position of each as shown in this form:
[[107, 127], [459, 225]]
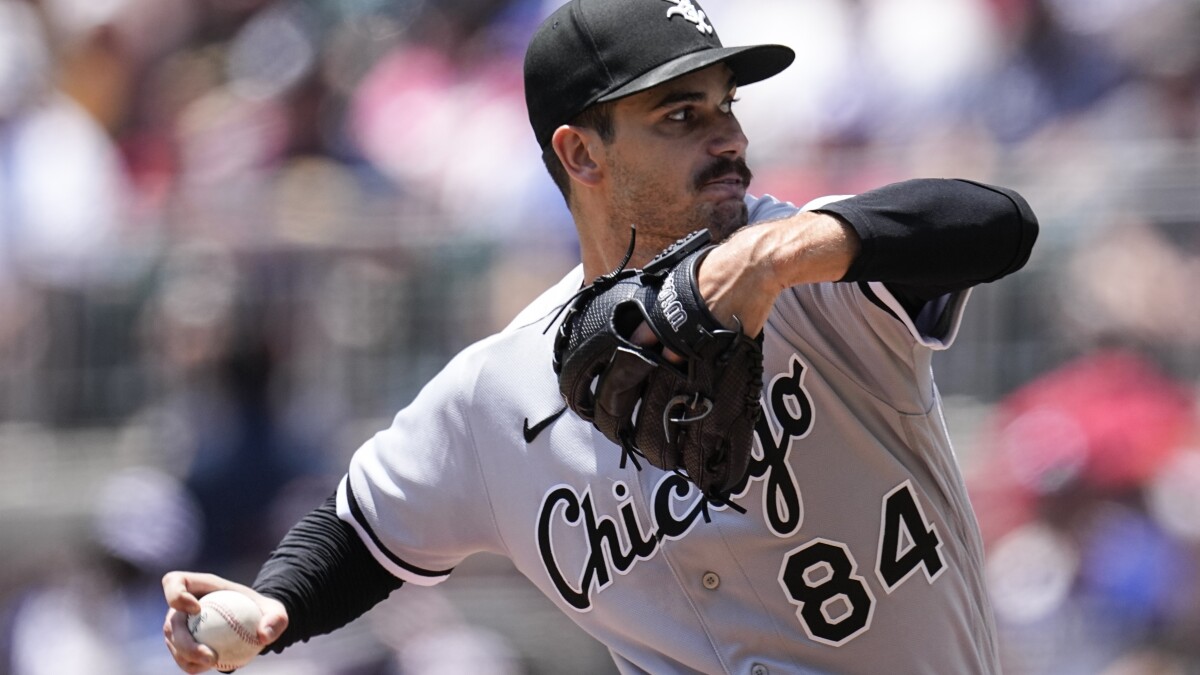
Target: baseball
[[228, 624]]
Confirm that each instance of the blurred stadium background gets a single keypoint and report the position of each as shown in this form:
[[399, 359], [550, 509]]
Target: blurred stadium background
[[237, 235]]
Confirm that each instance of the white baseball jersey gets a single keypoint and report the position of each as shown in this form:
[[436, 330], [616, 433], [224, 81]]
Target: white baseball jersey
[[858, 551]]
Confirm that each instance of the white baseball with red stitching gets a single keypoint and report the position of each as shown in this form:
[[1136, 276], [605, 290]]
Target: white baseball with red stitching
[[228, 624]]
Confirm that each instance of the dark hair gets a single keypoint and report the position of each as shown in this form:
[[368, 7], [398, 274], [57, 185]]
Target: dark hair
[[598, 117]]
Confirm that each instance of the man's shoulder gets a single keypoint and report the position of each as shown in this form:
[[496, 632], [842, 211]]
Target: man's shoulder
[[521, 352], [528, 326], [769, 207], [543, 307]]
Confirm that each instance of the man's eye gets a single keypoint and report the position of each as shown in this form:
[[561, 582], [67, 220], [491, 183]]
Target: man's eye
[[727, 106], [681, 115]]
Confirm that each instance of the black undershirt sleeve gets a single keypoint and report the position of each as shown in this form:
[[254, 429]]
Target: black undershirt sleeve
[[324, 575], [927, 237]]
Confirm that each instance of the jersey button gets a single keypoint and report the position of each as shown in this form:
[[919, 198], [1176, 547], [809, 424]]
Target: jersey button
[[710, 580], [758, 669]]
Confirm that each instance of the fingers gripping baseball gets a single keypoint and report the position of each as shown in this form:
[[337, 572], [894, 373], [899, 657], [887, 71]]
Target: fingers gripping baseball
[[215, 623]]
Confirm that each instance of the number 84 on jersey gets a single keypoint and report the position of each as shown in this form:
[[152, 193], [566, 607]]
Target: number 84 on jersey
[[821, 577]]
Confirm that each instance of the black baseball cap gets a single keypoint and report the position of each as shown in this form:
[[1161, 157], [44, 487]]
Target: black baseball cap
[[590, 51]]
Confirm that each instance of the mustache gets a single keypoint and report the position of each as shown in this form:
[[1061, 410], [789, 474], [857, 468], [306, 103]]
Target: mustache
[[723, 166]]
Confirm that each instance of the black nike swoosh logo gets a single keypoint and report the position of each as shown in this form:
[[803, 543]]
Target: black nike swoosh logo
[[531, 432]]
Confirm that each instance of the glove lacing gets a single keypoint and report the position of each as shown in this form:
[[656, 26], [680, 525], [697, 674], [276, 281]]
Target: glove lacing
[[599, 284]]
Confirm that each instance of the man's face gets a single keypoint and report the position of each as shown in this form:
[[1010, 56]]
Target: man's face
[[677, 160]]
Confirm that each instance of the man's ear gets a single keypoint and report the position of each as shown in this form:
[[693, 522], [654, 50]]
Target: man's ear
[[581, 153]]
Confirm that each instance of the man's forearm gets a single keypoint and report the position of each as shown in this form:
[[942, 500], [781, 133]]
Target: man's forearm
[[324, 575], [922, 238]]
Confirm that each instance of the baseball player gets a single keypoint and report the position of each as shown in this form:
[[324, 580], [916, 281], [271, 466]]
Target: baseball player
[[848, 547]]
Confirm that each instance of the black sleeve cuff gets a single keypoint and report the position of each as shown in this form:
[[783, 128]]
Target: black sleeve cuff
[[324, 576]]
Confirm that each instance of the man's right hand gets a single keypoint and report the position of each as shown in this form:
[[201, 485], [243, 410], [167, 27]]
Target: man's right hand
[[183, 591]]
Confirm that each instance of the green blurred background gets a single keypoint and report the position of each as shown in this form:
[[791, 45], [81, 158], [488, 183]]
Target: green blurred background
[[237, 235]]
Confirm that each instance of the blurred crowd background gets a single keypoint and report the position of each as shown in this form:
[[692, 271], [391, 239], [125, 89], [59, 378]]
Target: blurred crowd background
[[237, 235]]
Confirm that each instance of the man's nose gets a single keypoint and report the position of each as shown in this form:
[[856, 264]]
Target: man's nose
[[728, 138]]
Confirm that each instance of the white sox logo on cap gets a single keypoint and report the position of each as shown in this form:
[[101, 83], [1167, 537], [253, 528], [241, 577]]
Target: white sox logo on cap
[[690, 12], [593, 51]]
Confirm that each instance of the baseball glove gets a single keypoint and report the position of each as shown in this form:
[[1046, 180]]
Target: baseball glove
[[696, 417]]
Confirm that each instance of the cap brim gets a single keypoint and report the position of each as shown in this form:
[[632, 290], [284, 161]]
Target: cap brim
[[749, 64]]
